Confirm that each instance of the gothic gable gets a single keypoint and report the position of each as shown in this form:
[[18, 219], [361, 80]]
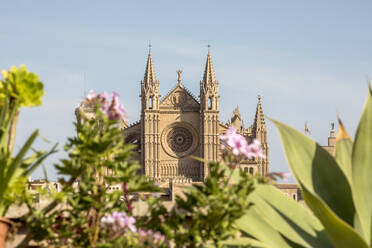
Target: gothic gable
[[179, 98]]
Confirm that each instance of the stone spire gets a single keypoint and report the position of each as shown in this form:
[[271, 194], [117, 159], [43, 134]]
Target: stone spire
[[150, 77], [236, 119], [150, 86], [259, 119], [209, 87], [209, 77]]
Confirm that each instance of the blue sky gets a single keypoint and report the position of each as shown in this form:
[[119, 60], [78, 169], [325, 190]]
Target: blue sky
[[306, 59]]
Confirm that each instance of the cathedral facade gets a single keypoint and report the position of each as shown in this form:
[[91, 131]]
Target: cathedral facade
[[179, 126]]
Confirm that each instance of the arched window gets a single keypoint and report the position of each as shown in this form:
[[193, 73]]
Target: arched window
[[210, 103], [150, 102], [294, 196], [251, 170], [246, 169]]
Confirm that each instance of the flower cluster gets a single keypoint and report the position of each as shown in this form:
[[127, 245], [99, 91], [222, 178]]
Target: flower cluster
[[239, 145], [151, 238], [119, 220], [121, 224], [114, 109]]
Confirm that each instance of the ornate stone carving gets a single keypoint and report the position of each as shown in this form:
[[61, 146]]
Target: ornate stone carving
[[179, 139], [179, 98]]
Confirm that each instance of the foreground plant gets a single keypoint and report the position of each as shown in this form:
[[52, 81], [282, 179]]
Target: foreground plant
[[206, 213], [97, 160], [91, 215], [18, 88], [337, 191]]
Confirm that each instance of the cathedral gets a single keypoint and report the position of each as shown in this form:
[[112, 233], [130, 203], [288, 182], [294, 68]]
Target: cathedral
[[179, 126]]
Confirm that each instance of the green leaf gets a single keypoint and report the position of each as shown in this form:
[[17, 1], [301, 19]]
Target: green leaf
[[254, 225], [339, 232], [287, 216], [244, 241], [17, 161], [317, 170], [344, 147], [362, 169], [35, 164]]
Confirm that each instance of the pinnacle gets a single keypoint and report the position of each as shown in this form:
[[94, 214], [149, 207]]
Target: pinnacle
[[150, 76], [236, 111], [259, 118], [209, 76]]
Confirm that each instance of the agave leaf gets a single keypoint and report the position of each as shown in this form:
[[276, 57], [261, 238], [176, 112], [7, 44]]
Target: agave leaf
[[362, 169], [339, 232], [292, 220], [318, 171], [344, 146], [243, 241], [253, 224], [35, 164], [17, 161]]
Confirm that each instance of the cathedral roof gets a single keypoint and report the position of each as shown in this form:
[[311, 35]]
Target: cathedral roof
[[180, 86]]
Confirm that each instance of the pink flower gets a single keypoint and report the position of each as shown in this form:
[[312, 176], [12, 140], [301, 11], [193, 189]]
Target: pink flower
[[142, 234], [239, 145], [116, 110], [92, 95], [113, 109], [254, 150], [158, 237], [119, 219], [107, 220]]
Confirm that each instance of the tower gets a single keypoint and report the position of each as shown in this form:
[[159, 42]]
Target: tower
[[259, 132], [150, 137], [209, 116]]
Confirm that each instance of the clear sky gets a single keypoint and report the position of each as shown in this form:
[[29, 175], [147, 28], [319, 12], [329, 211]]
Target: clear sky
[[307, 59]]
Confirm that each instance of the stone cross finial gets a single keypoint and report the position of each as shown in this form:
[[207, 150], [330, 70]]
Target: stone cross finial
[[179, 76], [150, 46], [332, 125]]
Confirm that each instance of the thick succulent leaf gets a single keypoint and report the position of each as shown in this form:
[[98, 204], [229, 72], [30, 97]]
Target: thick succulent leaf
[[344, 147], [318, 171], [362, 169], [339, 232], [253, 225], [243, 241], [17, 161], [287, 216]]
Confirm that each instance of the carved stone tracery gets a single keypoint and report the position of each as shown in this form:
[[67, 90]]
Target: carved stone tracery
[[179, 139]]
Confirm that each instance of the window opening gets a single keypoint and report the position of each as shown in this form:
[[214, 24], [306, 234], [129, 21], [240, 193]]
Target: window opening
[[150, 103]]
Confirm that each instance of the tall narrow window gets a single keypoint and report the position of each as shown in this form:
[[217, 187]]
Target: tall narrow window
[[294, 196], [251, 170], [210, 103], [150, 103]]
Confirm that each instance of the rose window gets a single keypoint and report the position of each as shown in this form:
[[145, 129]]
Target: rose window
[[179, 139]]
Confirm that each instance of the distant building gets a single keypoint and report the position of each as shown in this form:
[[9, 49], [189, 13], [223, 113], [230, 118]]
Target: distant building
[[180, 125]]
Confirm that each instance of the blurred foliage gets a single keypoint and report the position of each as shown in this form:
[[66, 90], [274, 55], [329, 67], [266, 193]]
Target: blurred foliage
[[206, 213], [97, 159], [22, 85], [337, 191], [17, 88]]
